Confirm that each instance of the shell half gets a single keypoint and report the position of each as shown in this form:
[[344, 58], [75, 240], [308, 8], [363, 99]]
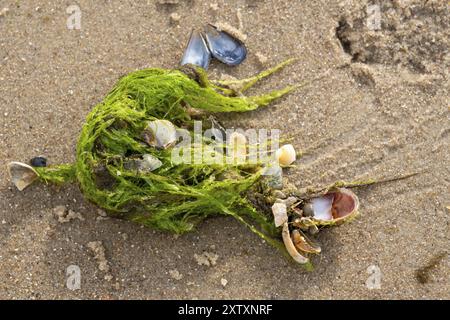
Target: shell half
[[303, 243], [334, 207], [290, 247], [224, 47], [160, 134], [21, 174], [286, 155], [197, 52]]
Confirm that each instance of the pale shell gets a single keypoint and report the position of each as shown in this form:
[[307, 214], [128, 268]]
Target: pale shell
[[290, 247], [279, 211], [160, 134], [286, 155], [22, 175]]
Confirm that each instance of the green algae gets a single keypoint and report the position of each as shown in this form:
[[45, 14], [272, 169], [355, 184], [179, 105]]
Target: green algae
[[174, 197]]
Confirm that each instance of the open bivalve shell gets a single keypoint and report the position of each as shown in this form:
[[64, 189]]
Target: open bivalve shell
[[332, 208], [21, 174]]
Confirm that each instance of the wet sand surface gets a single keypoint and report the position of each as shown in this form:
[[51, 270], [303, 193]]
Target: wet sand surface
[[382, 111]]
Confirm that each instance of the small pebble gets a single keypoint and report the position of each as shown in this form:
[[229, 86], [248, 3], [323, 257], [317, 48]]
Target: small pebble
[[102, 213], [65, 216], [286, 155], [4, 11], [108, 277], [262, 59], [290, 201], [279, 194], [175, 274], [175, 17], [224, 282], [206, 259]]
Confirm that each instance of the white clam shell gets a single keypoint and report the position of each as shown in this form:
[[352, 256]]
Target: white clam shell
[[161, 134], [21, 174], [286, 155]]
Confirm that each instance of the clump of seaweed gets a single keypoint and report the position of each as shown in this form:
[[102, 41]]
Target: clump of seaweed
[[173, 197], [124, 163]]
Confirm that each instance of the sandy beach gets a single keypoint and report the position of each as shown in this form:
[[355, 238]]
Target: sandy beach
[[381, 111]]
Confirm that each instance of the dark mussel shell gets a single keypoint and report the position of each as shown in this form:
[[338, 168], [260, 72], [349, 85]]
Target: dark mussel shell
[[224, 47], [38, 162]]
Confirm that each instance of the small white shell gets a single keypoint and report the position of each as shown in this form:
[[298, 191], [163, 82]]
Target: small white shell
[[279, 211], [22, 175], [286, 155], [160, 134]]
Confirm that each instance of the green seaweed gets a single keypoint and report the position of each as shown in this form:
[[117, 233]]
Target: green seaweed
[[175, 197]]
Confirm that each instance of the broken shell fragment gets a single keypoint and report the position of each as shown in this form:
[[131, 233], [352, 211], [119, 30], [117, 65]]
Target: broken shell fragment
[[279, 211], [197, 52], [290, 247], [151, 163], [160, 134], [147, 164], [224, 47], [333, 207], [22, 175], [302, 243], [286, 155]]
